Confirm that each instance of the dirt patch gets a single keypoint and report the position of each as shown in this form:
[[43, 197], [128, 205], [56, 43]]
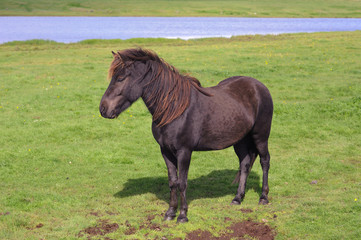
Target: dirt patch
[[111, 213], [246, 210], [149, 225], [97, 214], [40, 225], [239, 230], [130, 230], [102, 228], [227, 219], [5, 213]]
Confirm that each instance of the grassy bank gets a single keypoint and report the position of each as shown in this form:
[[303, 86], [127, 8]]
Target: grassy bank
[[64, 169], [227, 8]]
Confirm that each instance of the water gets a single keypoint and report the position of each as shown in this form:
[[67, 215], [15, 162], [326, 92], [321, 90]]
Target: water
[[74, 29]]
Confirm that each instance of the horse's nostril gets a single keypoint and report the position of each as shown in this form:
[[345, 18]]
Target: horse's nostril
[[112, 114], [102, 110]]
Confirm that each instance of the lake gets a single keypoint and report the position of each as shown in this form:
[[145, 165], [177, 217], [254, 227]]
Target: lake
[[74, 29]]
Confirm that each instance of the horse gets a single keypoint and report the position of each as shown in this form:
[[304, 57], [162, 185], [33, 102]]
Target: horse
[[188, 117]]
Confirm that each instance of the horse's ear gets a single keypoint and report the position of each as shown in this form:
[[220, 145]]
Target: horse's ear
[[117, 56]]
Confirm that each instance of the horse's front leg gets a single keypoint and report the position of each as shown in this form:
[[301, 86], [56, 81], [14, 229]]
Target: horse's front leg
[[183, 158], [171, 163]]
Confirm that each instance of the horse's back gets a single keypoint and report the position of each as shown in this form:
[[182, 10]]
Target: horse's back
[[240, 82], [245, 90], [233, 79]]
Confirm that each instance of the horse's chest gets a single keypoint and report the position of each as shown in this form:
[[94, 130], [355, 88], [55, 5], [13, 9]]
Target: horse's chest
[[165, 139], [174, 138]]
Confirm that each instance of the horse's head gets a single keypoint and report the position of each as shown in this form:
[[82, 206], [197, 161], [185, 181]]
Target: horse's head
[[123, 89]]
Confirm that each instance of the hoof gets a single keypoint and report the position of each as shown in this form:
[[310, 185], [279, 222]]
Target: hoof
[[169, 217], [236, 201], [182, 219], [263, 201]]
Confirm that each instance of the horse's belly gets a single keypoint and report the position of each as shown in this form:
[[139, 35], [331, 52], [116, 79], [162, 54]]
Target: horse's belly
[[221, 136], [210, 146]]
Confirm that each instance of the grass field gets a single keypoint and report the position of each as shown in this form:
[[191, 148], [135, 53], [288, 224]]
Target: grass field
[[64, 169], [227, 8]]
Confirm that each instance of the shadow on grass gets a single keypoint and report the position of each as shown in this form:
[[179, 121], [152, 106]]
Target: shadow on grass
[[215, 184]]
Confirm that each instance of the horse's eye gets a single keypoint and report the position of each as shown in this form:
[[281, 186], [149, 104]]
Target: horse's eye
[[121, 78]]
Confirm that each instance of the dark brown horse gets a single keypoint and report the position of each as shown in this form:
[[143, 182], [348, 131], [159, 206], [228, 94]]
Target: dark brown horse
[[187, 117]]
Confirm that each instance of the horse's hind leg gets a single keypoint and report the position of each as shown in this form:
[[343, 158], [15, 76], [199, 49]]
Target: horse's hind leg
[[262, 148], [260, 134], [246, 154], [261, 143]]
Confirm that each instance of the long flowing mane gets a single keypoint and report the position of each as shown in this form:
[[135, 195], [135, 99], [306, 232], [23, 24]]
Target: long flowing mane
[[168, 91]]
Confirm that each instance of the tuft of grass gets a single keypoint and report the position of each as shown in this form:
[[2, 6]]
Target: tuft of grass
[[63, 168], [34, 42]]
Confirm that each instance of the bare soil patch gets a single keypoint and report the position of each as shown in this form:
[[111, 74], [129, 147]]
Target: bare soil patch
[[130, 230], [40, 225], [149, 225], [246, 210], [102, 228], [239, 230]]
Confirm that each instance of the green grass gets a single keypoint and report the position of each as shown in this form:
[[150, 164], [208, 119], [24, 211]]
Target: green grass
[[60, 162], [227, 8]]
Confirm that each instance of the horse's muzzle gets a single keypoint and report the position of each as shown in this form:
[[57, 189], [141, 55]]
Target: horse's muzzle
[[104, 112], [113, 111]]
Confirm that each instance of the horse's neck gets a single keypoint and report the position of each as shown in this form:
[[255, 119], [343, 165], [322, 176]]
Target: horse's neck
[[166, 100], [147, 81]]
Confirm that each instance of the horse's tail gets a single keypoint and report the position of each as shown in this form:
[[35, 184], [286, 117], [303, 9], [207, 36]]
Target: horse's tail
[[237, 179]]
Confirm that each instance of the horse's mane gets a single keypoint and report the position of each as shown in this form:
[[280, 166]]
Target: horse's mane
[[168, 91]]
